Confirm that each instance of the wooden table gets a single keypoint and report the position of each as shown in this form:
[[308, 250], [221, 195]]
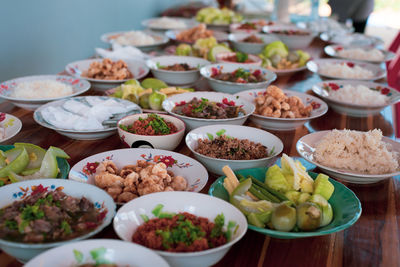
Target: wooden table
[[372, 241]]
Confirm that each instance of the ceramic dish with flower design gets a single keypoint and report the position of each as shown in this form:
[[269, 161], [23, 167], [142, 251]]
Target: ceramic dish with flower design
[[359, 53], [356, 98], [346, 69], [129, 173], [144, 40], [33, 86], [9, 126], [317, 109]]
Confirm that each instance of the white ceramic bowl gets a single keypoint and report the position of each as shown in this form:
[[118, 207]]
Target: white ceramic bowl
[[220, 36], [231, 87], [114, 251], [222, 58], [6, 88], [250, 48], [17, 191], [214, 165], [151, 24], [306, 148], [348, 38], [284, 124], [128, 219], [333, 51], [315, 67], [194, 173], [323, 90], [292, 41], [167, 142], [11, 125], [136, 67], [176, 77], [192, 123], [234, 27], [81, 135], [160, 40]]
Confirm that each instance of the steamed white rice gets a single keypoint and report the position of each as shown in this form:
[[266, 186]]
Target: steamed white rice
[[342, 70], [168, 23], [359, 94], [41, 89], [361, 152], [362, 54], [135, 38]]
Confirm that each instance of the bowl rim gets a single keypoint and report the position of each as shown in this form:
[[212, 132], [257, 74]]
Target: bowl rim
[[151, 61], [269, 28], [270, 135]]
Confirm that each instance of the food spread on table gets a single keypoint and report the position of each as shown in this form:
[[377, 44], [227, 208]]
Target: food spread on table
[[108, 70], [239, 75]]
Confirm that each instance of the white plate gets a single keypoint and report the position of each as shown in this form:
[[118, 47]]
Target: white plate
[[136, 67], [219, 36], [322, 89], [284, 124], [115, 251], [194, 173], [160, 39], [306, 147], [79, 87], [292, 41], [332, 50], [189, 23], [11, 126], [347, 38], [378, 72], [81, 135]]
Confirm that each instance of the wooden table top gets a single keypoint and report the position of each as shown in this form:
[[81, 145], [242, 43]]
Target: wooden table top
[[374, 240]]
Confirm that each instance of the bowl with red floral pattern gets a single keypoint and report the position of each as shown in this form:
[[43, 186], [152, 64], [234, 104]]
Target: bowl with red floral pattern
[[356, 98]]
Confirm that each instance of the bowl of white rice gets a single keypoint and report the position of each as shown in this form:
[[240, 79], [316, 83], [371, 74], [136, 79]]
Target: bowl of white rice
[[144, 40], [359, 53], [356, 98], [169, 23], [346, 69], [352, 156], [30, 92]]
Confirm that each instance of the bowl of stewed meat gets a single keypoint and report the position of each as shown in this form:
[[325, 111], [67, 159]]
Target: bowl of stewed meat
[[186, 229], [177, 70], [240, 147], [151, 130], [234, 78], [251, 43], [41, 214], [205, 108], [292, 36]]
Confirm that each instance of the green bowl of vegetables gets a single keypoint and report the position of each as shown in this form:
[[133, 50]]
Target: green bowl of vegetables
[[345, 205]]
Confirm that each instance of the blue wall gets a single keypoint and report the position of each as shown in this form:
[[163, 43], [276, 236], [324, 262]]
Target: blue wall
[[42, 36]]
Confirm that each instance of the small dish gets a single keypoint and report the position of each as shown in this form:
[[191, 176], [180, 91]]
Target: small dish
[[235, 28], [152, 24], [220, 36], [284, 124], [334, 51], [10, 125], [250, 48], [223, 58], [160, 40], [348, 38], [293, 41], [6, 88], [273, 144]]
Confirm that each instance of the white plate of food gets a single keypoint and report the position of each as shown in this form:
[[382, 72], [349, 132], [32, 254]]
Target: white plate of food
[[129, 173], [346, 69], [359, 53], [169, 23], [31, 92], [352, 156], [9, 126], [86, 117], [282, 110], [356, 98], [144, 40], [292, 36], [251, 43], [105, 73], [348, 38], [191, 35]]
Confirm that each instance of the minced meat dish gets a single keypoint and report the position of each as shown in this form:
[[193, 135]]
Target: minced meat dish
[[224, 147], [238, 76], [48, 216], [252, 39], [152, 125], [205, 109], [178, 67]]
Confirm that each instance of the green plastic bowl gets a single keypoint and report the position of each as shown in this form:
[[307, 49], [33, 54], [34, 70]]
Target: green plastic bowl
[[62, 163], [346, 206]]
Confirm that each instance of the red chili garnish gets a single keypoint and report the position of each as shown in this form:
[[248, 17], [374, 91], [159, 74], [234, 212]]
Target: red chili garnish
[[101, 216], [2, 116], [91, 225], [350, 64], [385, 91], [38, 190], [214, 71], [339, 48], [333, 86], [257, 73], [229, 103], [315, 105], [241, 80], [180, 103]]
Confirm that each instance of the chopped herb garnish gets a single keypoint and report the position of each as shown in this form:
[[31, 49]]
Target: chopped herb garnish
[[144, 217]]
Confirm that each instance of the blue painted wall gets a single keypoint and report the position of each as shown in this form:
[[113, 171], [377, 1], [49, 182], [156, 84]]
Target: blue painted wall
[[42, 36]]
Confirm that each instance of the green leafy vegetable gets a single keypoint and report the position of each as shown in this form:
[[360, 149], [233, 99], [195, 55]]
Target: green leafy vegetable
[[241, 57], [78, 256], [157, 210], [66, 227], [98, 256], [210, 136], [144, 217], [220, 132]]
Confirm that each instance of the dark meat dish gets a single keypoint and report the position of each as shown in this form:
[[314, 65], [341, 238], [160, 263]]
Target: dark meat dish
[[205, 109], [238, 76], [224, 147], [247, 26], [291, 32], [252, 39], [178, 67], [152, 125], [48, 216]]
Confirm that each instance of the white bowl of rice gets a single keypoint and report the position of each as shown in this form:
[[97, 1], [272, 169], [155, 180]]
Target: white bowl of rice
[[356, 98], [143, 40], [31, 92], [360, 53], [345, 69], [352, 156]]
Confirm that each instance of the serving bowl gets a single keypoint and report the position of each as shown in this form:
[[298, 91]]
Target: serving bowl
[[333, 51], [83, 134], [292, 41], [250, 48], [11, 125], [222, 58], [349, 38], [232, 87], [160, 40], [129, 218], [323, 90], [220, 36], [306, 148], [109, 250], [345, 204], [136, 67], [6, 89], [18, 191], [167, 142], [192, 123], [176, 77], [214, 165], [284, 124], [149, 23], [234, 28]]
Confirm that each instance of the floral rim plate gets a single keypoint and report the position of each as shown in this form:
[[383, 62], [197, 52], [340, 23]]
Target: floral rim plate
[[332, 50], [11, 125], [160, 39], [306, 147], [219, 36], [346, 207]]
